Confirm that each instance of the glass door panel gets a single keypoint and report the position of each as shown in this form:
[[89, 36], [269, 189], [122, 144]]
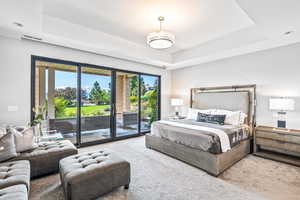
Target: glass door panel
[[56, 93], [95, 106], [127, 109], [149, 101]]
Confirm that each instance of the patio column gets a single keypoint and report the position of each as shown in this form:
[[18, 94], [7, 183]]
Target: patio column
[[40, 96], [51, 91], [126, 94], [119, 93]]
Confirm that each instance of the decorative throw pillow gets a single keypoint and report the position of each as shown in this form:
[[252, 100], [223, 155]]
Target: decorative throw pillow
[[193, 113], [208, 118], [2, 132], [24, 138], [243, 117], [7, 147], [235, 118]]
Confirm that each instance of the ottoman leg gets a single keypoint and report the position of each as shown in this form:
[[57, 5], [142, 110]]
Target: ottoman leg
[[126, 186]]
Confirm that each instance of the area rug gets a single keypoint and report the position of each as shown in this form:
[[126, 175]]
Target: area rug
[[156, 176]]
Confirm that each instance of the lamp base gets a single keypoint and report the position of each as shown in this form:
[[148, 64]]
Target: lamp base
[[177, 114], [281, 124]]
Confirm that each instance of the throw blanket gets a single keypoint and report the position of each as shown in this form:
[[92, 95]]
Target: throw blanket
[[208, 137], [224, 139]]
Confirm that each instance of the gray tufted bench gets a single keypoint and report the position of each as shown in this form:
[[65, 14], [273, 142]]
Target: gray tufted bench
[[14, 180], [14, 173], [89, 175], [16, 192], [45, 158]]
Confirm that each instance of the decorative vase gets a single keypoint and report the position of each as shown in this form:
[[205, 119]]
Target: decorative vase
[[37, 132]]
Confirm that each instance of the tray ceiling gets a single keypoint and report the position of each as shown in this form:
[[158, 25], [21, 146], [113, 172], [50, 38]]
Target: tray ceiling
[[205, 30]]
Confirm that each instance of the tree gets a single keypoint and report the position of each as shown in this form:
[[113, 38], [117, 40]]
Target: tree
[[67, 93], [134, 86], [95, 94], [152, 102], [99, 96]]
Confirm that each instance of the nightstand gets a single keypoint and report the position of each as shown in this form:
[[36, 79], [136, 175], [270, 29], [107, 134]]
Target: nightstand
[[277, 144]]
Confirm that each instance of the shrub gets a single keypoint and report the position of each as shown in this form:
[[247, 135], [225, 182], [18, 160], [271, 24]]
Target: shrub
[[60, 106], [133, 99]]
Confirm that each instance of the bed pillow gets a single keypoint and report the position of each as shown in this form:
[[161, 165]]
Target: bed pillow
[[235, 118], [24, 138], [7, 147], [193, 113], [209, 118], [243, 117]]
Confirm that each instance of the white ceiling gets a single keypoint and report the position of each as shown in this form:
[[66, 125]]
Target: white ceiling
[[205, 30]]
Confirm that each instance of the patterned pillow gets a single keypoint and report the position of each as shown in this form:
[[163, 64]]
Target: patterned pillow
[[7, 147], [208, 118]]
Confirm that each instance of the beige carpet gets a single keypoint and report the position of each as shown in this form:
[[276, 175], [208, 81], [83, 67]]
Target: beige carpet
[[156, 176]]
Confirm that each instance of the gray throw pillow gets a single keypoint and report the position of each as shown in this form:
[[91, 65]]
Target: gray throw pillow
[[2, 132], [24, 138], [7, 147]]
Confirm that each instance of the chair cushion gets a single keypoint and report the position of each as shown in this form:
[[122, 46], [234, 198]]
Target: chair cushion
[[16, 192], [14, 173], [45, 158]]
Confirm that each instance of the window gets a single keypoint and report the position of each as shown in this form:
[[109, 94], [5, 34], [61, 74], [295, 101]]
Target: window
[[91, 104]]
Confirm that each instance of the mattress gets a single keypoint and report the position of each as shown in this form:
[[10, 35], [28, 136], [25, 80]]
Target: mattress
[[200, 135]]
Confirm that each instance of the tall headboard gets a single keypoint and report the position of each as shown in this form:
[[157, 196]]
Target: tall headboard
[[239, 97]]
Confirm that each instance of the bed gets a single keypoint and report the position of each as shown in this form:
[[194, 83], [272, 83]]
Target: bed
[[211, 147]]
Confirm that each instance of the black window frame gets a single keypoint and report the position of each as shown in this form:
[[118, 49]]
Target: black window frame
[[113, 70]]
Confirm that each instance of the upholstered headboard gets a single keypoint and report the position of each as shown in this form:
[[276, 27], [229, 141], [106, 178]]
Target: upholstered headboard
[[232, 98], [222, 100]]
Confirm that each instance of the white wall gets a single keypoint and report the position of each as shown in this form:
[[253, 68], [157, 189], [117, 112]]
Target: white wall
[[276, 73], [15, 67]]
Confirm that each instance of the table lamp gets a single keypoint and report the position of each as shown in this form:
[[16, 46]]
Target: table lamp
[[176, 103], [281, 105]]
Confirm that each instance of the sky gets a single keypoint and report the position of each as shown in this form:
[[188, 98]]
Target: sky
[[69, 79]]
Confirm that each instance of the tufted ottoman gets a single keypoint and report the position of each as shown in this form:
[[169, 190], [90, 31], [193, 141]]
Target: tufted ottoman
[[45, 158], [14, 173], [89, 175], [16, 192]]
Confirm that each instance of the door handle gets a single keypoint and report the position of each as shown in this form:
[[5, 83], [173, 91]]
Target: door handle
[[113, 108]]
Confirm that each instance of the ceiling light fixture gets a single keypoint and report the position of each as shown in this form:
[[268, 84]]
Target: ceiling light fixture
[[161, 39]]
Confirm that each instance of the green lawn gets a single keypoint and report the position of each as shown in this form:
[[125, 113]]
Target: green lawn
[[85, 111]]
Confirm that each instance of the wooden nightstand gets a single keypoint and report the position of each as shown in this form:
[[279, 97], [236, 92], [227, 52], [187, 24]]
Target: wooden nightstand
[[277, 144]]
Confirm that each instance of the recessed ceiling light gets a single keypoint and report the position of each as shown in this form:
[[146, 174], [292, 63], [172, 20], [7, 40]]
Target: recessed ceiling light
[[288, 32], [18, 24]]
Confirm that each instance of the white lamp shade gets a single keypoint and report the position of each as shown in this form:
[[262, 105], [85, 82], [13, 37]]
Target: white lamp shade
[[176, 102], [283, 104]]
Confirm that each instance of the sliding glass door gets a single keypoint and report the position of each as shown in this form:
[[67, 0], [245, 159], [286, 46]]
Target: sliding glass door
[[56, 96], [95, 104], [127, 104], [92, 104]]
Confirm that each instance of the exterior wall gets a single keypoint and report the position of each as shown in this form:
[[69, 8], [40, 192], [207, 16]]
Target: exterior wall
[[15, 74]]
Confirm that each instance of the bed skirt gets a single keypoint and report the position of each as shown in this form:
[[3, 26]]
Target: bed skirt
[[214, 164]]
